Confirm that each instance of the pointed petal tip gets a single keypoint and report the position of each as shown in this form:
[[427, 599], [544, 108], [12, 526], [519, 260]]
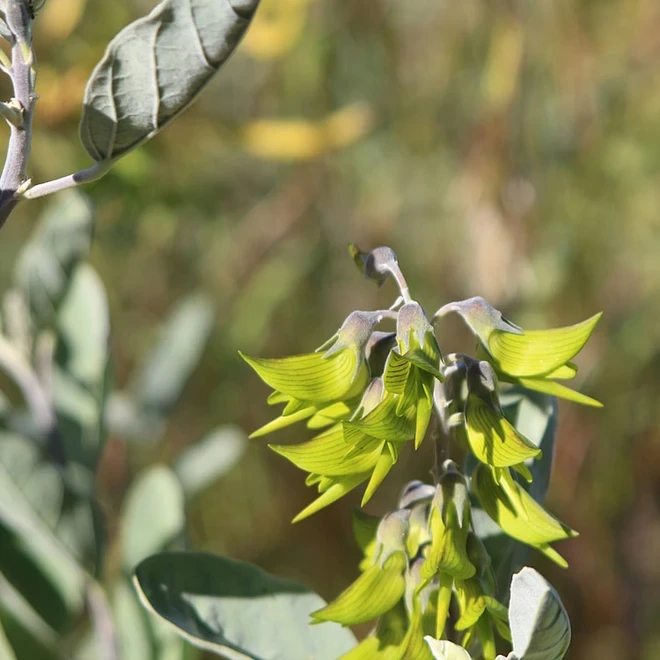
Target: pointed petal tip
[[301, 516], [367, 496]]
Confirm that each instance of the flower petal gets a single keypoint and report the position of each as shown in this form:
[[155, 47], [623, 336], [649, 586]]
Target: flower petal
[[493, 440], [310, 377], [334, 488], [383, 466], [326, 454], [376, 591], [557, 389], [517, 513], [538, 352]]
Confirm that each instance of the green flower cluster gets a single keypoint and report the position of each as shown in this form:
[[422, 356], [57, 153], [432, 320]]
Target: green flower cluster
[[367, 393], [415, 560]]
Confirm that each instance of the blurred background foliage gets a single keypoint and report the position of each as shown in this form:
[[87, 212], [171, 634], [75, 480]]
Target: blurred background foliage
[[507, 149]]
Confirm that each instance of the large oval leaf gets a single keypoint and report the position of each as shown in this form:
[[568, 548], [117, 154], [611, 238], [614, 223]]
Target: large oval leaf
[[153, 514], [81, 368], [182, 339], [540, 628], [154, 68], [46, 263], [236, 609]]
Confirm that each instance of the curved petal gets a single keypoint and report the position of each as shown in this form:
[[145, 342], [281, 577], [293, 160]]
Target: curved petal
[[517, 513], [539, 352], [310, 377], [492, 439], [375, 592], [326, 454]]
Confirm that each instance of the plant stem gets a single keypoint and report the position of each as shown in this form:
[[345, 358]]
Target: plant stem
[[486, 637], [92, 173], [401, 282], [444, 600], [22, 74]]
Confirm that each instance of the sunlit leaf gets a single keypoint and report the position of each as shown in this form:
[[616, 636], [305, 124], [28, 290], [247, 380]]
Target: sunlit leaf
[[325, 454], [449, 529], [382, 468], [336, 488], [540, 627], [230, 607], [445, 650], [154, 68], [556, 389]]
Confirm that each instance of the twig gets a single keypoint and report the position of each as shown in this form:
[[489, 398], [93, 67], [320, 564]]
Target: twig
[[22, 74], [92, 173]]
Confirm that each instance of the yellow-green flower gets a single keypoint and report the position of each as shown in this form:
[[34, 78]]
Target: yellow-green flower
[[517, 512], [411, 370], [381, 586], [351, 452], [535, 359], [492, 439], [324, 386], [449, 524]]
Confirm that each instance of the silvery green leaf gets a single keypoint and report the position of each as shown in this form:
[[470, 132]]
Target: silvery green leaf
[[60, 241], [201, 463], [236, 610], [154, 68], [29, 635], [540, 628], [6, 650], [81, 367], [177, 352], [26, 482], [153, 514]]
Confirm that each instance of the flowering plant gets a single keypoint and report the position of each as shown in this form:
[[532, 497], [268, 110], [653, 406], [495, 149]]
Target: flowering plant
[[367, 393]]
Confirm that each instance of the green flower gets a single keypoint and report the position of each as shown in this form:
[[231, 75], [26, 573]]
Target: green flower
[[479, 614], [417, 497], [480, 611], [449, 523], [324, 386], [535, 359], [492, 439], [517, 512], [381, 586], [351, 452], [411, 370]]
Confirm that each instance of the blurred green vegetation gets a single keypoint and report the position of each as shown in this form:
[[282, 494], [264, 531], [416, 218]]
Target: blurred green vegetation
[[503, 149]]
